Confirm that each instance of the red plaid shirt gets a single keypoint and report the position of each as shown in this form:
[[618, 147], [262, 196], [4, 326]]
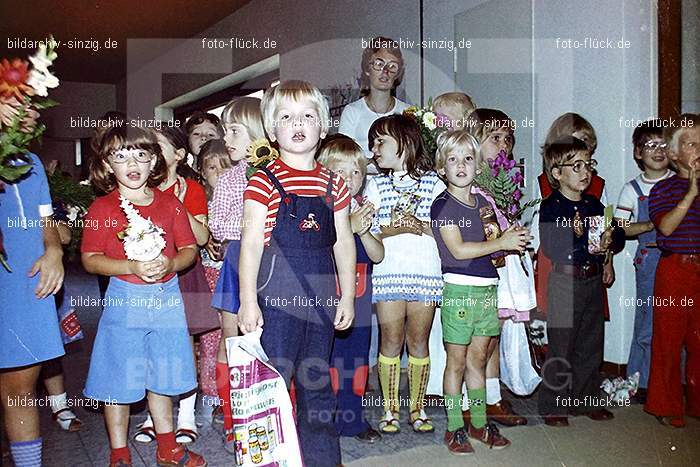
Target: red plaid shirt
[[226, 207]]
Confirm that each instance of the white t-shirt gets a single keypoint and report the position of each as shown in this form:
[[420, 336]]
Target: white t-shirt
[[627, 203], [357, 118]]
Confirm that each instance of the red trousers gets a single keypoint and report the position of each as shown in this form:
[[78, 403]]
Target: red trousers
[[676, 323]]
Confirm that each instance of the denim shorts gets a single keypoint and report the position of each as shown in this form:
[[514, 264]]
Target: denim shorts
[[142, 344]]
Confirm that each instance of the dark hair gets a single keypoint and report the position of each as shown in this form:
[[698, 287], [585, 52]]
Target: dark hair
[[645, 131], [178, 140], [559, 151], [406, 132], [198, 117], [118, 137], [214, 148]]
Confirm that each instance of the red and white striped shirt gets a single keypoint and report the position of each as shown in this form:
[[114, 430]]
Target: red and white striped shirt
[[301, 182]]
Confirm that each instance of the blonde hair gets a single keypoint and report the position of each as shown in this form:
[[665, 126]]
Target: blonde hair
[[338, 148], [568, 124], [672, 134], [296, 91], [482, 122], [245, 111], [457, 99], [449, 141]]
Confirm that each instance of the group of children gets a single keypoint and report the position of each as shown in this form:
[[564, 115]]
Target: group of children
[[311, 231], [310, 216]]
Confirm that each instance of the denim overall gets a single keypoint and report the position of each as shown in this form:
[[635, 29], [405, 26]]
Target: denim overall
[[350, 357], [645, 261], [297, 296]]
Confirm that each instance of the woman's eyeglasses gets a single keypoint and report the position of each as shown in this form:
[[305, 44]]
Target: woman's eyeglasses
[[379, 65], [579, 165], [123, 155]]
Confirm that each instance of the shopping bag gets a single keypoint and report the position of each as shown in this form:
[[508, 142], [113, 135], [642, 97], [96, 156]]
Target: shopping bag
[[516, 367], [263, 421]]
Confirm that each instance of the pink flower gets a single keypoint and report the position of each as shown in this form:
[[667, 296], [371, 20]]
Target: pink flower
[[513, 209], [517, 194]]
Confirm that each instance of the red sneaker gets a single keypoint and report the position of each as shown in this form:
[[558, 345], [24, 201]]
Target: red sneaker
[[489, 435], [181, 456], [457, 442]]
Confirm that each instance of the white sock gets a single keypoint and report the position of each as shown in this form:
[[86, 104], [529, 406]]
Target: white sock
[[493, 391], [58, 402], [185, 414]]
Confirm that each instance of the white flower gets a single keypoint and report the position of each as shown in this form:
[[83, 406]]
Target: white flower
[[73, 212], [429, 120], [143, 240], [40, 78], [85, 182]]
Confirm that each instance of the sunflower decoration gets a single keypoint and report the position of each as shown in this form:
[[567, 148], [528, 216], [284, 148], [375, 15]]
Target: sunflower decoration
[[259, 154]]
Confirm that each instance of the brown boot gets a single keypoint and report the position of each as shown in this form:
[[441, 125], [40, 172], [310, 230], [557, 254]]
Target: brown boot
[[502, 412]]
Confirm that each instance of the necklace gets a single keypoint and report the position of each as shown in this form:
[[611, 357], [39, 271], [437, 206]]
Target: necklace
[[371, 107]]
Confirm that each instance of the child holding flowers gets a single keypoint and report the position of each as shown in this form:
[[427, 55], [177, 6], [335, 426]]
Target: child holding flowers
[[468, 310], [405, 287], [142, 344]]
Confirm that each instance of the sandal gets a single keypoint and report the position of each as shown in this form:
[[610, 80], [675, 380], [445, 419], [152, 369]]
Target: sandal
[[389, 425], [186, 435], [145, 434], [421, 424], [67, 420]]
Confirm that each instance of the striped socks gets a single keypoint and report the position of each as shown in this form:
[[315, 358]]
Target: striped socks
[[26, 453], [418, 372]]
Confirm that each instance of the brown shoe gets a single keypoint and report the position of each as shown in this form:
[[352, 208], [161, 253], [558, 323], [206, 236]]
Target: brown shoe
[[489, 435], [600, 415], [502, 412], [457, 442], [556, 420]]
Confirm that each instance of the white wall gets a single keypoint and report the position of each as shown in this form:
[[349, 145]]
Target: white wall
[[320, 42], [602, 85]]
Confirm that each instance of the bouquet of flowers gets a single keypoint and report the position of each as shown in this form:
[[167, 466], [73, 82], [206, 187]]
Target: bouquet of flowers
[[71, 201], [19, 112], [501, 179], [259, 154], [430, 123], [143, 240]]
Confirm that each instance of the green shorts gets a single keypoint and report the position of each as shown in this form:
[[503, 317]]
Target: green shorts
[[468, 310]]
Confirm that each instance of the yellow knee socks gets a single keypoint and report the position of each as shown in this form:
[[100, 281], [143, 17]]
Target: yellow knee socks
[[418, 373], [389, 370]]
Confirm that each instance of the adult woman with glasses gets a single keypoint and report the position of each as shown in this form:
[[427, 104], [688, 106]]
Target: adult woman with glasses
[[382, 71]]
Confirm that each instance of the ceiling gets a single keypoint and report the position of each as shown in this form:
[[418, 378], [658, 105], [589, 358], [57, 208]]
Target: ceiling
[[94, 22]]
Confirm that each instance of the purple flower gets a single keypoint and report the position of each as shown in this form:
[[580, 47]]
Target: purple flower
[[517, 177], [517, 194], [494, 171], [513, 209]]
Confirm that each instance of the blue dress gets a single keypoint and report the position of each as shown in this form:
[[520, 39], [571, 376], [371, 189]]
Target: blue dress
[[29, 330]]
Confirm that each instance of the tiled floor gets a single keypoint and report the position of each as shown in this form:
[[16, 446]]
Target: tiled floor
[[633, 438]]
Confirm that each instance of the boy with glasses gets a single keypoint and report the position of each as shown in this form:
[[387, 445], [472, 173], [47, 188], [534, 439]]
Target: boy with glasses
[[632, 213], [575, 325]]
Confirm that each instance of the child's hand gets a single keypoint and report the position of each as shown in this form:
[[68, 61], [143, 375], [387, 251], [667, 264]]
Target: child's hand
[[50, 267], [606, 239], [410, 224], [162, 266], [361, 218], [249, 317], [608, 273], [344, 314], [143, 269], [515, 239], [214, 249]]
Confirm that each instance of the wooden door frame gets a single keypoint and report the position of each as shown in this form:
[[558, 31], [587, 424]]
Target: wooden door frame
[[669, 60]]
